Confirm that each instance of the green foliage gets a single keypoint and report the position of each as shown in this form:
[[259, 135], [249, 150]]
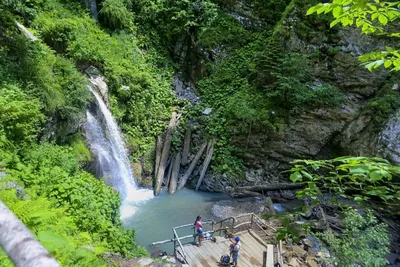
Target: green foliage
[[172, 19], [55, 229], [292, 231], [385, 103], [224, 31], [20, 116], [42, 74], [141, 97], [269, 10], [359, 178], [80, 149], [53, 171], [363, 241], [116, 14], [26, 10], [371, 17], [284, 78]]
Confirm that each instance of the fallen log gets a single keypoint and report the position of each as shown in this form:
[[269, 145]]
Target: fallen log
[[269, 187], [164, 155], [192, 165], [186, 147], [210, 150], [174, 175]]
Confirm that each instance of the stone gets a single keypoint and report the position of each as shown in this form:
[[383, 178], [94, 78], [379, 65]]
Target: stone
[[395, 87], [294, 262], [323, 254], [172, 260], [164, 257], [391, 258], [207, 111], [299, 252], [145, 261], [307, 242], [310, 261]]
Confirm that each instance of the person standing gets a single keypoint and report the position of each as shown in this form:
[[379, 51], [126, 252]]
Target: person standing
[[199, 228], [234, 251]]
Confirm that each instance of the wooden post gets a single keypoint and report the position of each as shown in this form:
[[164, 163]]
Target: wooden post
[[174, 243], [186, 147], [189, 171], [264, 259], [158, 154], [173, 183], [210, 150], [252, 218], [169, 164]]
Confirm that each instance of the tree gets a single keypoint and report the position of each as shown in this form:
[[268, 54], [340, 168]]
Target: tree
[[372, 17]]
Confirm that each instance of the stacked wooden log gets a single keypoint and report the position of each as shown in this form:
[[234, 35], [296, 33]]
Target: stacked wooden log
[[168, 167]]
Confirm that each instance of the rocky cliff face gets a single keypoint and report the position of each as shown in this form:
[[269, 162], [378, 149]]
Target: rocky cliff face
[[322, 133]]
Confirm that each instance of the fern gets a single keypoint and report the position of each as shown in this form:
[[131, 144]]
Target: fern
[[53, 228]]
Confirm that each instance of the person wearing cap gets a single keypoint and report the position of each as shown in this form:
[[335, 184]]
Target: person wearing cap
[[199, 228], [235, 247]]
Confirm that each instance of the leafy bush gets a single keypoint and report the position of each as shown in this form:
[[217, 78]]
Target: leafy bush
[[20, 116], [116, 15], [55, 229], [360, 178], [53, 171], [383, 105], [362, 242], [141, 92]]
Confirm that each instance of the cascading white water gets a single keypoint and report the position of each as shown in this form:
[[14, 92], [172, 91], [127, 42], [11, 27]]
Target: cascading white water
[[106, 143], [389, 139]]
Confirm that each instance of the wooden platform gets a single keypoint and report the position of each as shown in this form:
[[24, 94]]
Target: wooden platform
[[209, 254]]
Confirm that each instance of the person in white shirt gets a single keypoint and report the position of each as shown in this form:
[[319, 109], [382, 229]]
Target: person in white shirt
[[235, 247]]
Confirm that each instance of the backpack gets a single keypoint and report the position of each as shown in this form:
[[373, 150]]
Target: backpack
[[225, 259]]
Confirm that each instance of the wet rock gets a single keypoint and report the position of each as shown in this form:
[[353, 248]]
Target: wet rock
[[311, 262], [207, 111], [294, 262], [299, 252], [391, 258], [307, 242], [145, 261]]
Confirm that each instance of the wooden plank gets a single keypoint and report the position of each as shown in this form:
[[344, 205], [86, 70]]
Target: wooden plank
[[270, 256]]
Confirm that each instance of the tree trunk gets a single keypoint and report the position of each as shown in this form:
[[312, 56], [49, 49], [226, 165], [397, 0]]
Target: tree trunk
[[189, 171], [164, 155], [158, 154], [175, 173], [186, 147], [19, 243], [210, 150]]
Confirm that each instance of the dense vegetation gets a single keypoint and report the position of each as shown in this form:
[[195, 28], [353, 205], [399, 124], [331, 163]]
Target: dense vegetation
[[248, 79]]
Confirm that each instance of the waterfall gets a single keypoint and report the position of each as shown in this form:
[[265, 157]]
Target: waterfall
[[112, 163], [389, 139]]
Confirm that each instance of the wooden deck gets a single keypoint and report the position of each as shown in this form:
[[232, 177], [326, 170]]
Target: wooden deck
[[209, 254]]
